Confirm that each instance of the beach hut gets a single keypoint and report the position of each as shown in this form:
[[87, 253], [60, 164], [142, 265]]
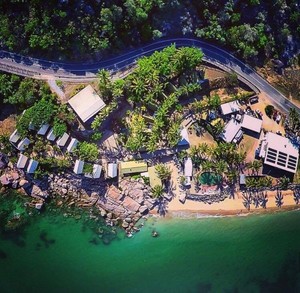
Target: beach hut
[[132, 167], [14, 137], [32, 166], [43, 129], [22, 161], [51, 135], [61, 142], [78, 167], [112, 170], [23, 144], [72, 145]]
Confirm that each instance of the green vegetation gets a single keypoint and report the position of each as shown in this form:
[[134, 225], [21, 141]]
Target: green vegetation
[[269, 109], [87, 151], [157, 191]]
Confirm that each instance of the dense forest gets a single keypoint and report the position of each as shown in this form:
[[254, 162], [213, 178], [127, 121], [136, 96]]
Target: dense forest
[[76, 29]]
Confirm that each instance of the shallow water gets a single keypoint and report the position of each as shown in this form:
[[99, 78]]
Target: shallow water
[[241, 254]]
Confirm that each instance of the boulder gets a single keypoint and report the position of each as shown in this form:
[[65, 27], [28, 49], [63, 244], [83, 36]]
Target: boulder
[[125, 224], [64, 191], [22, 182], [39, 205], [143, 209], [128, 220]]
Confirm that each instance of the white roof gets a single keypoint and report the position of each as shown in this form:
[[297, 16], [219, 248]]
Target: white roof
[[96, 172], [78, 167], [32, 166], [22, 161], [43, 129], [23, 143], [14, 137], [72, 145], [51, 135], [188, 167], [230, 107], [63, 140], [184, 137], [230, 130], [252, 123], [86, 103], [112, 170], [280, 152]]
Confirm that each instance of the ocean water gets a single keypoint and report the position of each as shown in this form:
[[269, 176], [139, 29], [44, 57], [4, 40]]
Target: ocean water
[[258, 253]]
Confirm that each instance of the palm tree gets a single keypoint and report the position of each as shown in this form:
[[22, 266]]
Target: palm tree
[[284, 182], [206, 166], [255, 166], [220, 167], [203, 150], [163, 172], [157, 191]]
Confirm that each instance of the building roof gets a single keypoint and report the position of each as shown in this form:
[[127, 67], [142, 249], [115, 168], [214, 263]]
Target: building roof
[[230, 131], [78, 167], [72, 145], [278, 151], [51, 135], [188, 167], [23, 143], [61, 142], [96, 172], [242, 179], [22, 161], [153, 178], [44, 128], [132, 167], [184, 137], [252, 123], [112, 170], [230, 107], [86, 103], [14, 137], [32, 166]]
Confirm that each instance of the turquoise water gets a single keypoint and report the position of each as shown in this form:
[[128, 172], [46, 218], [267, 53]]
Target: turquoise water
[[245, 254]]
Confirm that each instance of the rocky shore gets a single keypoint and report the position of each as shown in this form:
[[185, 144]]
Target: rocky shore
[[119, 206]]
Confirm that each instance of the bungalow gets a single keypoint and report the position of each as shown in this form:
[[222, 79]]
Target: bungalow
[[86, 103], [32, 166], [232, 132], [279, 152], [23, 144], [251, 125], [153, 178], [43, 129], [96, 172], [132, 167], [78, 167], [72, 145], [51, 135], [112, 170], [22, 161], [61, 142]]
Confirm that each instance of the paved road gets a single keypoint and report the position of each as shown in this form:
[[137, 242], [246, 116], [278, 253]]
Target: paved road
[[44, 69]]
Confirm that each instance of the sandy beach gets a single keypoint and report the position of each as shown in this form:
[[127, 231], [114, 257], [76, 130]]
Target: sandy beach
[[229, 207]]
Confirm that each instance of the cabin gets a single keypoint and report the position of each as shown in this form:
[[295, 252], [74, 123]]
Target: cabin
[[132, 167], [43, 129], [97, 169], [78, 167], [22, 161], [32, 166], [184, 141], [112, 170], [51, 136], [86, 103], [23, 144], [72, 145], [14, 137], [153, 177], [188, 171], [61, 142], [279, 152]]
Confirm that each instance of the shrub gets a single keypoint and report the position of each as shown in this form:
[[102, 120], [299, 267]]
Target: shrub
[[88, 151], [269, 109]]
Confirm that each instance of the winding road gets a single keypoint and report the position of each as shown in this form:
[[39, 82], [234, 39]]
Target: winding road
[[79, 72]]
